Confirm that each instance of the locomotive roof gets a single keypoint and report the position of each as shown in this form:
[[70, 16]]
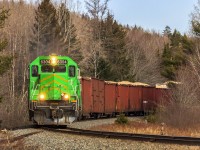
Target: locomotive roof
[[70, 60]]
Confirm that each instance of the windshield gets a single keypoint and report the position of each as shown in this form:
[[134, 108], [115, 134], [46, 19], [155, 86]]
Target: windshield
[[49, 68], [60, 69]]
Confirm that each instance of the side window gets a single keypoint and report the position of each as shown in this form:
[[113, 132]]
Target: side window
[[34, 71], [72, 71]]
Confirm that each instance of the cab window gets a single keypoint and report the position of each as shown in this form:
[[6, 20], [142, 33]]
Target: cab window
[[72, 71], [47, 68], [34, 71], [60, 69]]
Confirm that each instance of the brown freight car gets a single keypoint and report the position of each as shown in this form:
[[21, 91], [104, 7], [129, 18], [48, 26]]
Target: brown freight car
[[87, 99], [98, 96], [110, 97], [92, 97], [148, 98], [135, 99], [122, 102]]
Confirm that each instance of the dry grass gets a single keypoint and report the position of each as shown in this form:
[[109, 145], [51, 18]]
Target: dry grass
[[180, 116], [149, 128]]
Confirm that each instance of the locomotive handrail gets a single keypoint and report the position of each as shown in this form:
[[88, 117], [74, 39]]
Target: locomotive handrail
[[34, 90]]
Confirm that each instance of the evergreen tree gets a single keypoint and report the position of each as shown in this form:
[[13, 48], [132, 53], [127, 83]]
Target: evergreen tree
[[46, 29], [176, 39], [113, 37], [168, 63], [5, 61], [195, 20], [167, 31], [187, 44], [175, 54]]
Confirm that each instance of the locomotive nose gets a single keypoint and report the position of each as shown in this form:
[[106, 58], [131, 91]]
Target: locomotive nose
[[53, 85]]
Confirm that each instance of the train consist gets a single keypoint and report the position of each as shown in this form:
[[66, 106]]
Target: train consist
[[105, 98], [59, 96]]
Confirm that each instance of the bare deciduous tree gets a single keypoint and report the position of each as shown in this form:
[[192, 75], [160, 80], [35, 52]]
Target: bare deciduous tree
[[183, 108], [144, 51], [97, 12], [17, 31]]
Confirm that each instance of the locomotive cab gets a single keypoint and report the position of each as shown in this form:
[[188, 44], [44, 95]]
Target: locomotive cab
[[54, 91]]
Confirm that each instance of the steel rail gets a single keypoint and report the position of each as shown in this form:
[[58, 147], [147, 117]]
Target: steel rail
[[13, 139], [115, 135], [129, 136]]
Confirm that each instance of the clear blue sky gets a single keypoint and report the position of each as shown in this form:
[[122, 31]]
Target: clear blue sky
[[153, 14]]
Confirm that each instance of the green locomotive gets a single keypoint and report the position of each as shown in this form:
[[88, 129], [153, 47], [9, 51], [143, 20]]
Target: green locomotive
[[54, 90]]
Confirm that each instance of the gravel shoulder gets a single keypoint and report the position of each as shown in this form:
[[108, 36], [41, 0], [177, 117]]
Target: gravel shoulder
[[91, 123], [47, 140]]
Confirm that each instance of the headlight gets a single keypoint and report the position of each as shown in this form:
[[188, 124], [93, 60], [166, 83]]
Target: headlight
[[65, 96], [53, 60], [41, 97]]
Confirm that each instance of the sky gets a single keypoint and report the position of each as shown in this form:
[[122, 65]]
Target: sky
[[153, 14]]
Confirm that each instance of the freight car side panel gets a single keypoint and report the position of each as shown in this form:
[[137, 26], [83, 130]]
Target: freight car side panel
[[87, 102], [135, 98], [110, 97], [148, 98], [98, 95], [122, 99]]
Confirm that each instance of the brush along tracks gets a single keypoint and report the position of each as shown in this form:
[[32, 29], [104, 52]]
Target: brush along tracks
[[128, 136]]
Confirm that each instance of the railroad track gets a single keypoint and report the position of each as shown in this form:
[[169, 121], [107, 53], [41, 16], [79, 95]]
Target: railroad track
[[116, 135], [128, 136], [11, 140]]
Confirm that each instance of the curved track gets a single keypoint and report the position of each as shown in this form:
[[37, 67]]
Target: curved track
[[116, 135], [128, 136], [3, 141]]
